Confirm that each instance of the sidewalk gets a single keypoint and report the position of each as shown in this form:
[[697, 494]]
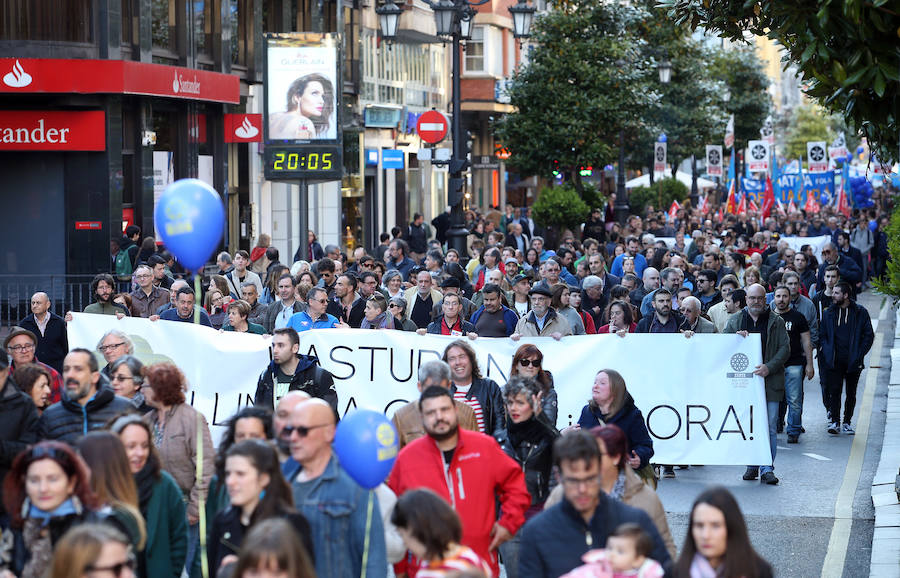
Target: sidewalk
[[886, 484]]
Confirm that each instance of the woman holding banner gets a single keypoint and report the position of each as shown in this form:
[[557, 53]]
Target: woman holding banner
[[527, 362]]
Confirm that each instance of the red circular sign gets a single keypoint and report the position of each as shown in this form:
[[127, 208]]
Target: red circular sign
[[432, 126]]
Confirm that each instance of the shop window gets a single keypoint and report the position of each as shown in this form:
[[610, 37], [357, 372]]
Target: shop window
[[57, 20]]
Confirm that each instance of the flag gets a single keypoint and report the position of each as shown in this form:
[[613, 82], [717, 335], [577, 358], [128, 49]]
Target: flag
[[752, 206], [742, 207], [812, 205], [845, 180], [792, 168], [729, 135], [673, 210], [719, 215], [768, 199], [843, 204], [780, 208], [703, 204], [730, 204], [792, 208]]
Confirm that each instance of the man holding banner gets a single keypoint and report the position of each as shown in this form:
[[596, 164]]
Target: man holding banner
[[757, 318]]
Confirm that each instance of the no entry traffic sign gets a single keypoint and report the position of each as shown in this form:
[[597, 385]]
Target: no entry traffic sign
[[432, 126]]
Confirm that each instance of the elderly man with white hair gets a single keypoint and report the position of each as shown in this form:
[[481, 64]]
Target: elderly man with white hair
[[593, 300], [693, 321]]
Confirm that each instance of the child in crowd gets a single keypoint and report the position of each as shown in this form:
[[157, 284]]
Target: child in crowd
[[627, 555]]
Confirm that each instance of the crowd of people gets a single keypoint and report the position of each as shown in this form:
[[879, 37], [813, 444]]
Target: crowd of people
[[108, 471]]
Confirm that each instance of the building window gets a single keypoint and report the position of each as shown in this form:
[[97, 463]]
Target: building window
[[240, 12], [58, 20], [475, 51], [202, 24], [163, 25]]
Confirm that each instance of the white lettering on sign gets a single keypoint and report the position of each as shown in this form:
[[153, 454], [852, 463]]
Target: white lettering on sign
[[22, 135], [188, 86]]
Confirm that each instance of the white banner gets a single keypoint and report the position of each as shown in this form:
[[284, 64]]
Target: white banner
[[714, 160], [659, 159], [817, 243], [767, 132], [838, 148], [816, 157], [758, 156], [729, 133], [699, 398]]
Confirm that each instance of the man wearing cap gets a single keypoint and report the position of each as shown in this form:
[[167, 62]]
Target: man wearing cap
[[493, 319], [520, 303], [452, 285], [421, 300], [543, 320], [18, 424], [50, 330], [22, 347]]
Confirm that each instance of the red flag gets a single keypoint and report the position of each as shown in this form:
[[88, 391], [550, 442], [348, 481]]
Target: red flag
[[812, 205], [731, 204], [792, 208], [742, 208], [673, 210], [719, 215], [780, 208], [702, 204], [769, 199], [752, 206], [843, 204]]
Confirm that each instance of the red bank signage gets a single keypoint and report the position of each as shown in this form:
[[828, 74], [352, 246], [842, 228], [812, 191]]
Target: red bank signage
[[52, 130], [26, 75], [243, 128]]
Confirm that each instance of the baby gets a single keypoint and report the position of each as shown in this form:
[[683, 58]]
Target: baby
[[627, 555]]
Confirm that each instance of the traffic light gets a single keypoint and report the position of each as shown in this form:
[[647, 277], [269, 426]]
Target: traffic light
[[455, 190]]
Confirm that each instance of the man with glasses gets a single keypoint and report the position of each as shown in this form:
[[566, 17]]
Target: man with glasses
[[50, 330], [147, 298], [421, 299], [280, 312], [848, 270], [451, 322], [706, 289], [291, 371], [776, 349], [542, 320], [22, 347], [114, 345], [335, 506], [468, 470], [553, 542], [315, 316]]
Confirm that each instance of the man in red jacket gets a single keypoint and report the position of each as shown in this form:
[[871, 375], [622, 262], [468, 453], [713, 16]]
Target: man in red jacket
[[469, 470]]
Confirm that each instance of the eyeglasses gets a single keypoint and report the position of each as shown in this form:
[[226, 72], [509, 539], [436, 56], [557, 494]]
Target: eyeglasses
[[116, 569], [143, 276], [320, 300], [25, 347], [105, 348], [41, 452], [123, 378], [301, 430], [531, 362]]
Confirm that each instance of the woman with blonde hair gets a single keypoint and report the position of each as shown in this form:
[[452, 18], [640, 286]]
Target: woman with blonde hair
[[92, 549]]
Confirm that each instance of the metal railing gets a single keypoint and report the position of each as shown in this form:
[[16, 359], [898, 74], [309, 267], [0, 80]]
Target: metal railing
[[66, 292]]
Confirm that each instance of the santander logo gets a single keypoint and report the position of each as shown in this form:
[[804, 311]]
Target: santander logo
[[186, 86], [18, 78], [246, 130]]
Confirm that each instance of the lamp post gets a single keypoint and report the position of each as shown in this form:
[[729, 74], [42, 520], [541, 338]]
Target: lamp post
[[453, 20]]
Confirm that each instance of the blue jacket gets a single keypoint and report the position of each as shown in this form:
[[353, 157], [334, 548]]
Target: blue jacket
[[509, 317], [336, 509], [847, 269], [630, 420], [403, 266], [855, 319], [172, 315], [552, 543], [304, 322]]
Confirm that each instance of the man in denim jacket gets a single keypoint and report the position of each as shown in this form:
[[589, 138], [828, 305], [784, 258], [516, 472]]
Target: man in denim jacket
[[332, 502]]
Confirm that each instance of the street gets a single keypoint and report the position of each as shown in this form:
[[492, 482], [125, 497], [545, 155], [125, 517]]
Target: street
[[819, 520]]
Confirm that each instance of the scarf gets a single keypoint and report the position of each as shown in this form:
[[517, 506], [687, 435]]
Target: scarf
[[144, 480], [383, 321], [67, 508], [700, 568], [138, 400], [618, 491], [527, 431]]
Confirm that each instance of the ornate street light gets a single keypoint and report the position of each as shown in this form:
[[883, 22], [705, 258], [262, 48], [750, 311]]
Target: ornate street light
[[444, 16], [388, 19], [665, 71], [522, 15], [466, 19]]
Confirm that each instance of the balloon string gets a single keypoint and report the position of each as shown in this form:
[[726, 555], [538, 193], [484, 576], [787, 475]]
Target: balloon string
[[365, 558], [197, 297], [204, 563]]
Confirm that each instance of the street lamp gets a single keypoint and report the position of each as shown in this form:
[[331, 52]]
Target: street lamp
[[454, 19], [665, 71]]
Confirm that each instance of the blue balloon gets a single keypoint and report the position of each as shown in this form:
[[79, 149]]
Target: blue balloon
[[190, 219], [366, 443]]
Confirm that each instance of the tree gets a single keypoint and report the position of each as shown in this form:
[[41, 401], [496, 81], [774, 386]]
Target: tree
[[742, 73], [558, 208], [660, 195], [808, 124], [586, 81], [846, 51]]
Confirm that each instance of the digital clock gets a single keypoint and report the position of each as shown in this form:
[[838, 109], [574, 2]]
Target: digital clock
[[308, 161]]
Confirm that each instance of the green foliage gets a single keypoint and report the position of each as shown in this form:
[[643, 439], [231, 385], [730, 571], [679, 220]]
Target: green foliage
[[890, 284], [660, 194], [846, 52], [560, 207], [808, 124], [586, 80], [742, 72], [592, 196]]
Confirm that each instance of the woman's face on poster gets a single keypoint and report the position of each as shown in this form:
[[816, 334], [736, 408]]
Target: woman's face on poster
[[312, 101]]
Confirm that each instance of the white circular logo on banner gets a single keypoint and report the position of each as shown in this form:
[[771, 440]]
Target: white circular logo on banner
[[817, 153], [660, 154], [714, 158], [758, 152]]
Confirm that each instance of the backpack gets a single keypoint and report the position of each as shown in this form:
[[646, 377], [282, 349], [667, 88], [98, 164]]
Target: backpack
[[124, 267]]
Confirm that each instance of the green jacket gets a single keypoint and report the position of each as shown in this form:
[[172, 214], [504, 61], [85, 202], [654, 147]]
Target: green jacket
[[778, 349], [167, 529]]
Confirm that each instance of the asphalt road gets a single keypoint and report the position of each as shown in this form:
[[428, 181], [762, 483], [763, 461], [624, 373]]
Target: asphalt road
[[819, 520]]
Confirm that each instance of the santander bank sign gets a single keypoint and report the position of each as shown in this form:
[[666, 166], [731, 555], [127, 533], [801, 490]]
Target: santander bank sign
[[52, 130]]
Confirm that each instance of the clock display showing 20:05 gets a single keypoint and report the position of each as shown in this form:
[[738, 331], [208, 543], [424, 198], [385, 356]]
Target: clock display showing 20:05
[[302, 161]]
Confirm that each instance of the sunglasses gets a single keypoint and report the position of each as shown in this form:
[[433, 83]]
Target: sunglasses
[[40, 452], [116, 569], [531, 362], [301, 430]]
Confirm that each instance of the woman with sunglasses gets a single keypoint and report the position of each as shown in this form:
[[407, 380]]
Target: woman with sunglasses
[[159, 500], [93, 550], [258, 491], [528, 439], [527, 362], [46, 492], [126, 378], [376, 315]]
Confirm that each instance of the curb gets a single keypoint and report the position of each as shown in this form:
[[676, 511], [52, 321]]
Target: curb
[[885, 561]]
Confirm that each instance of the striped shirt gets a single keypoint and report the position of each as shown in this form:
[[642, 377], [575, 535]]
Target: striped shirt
[[460, 396], [464, 558]]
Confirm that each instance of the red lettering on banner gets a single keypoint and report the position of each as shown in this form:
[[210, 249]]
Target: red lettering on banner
[[52, 130]]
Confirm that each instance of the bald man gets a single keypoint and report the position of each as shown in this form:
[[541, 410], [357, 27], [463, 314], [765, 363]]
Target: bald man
[[334, 504], [50, 329], [776, 348], [282, 415]]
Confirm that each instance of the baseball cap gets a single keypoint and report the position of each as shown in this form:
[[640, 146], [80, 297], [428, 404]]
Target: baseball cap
[[519, 277]]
